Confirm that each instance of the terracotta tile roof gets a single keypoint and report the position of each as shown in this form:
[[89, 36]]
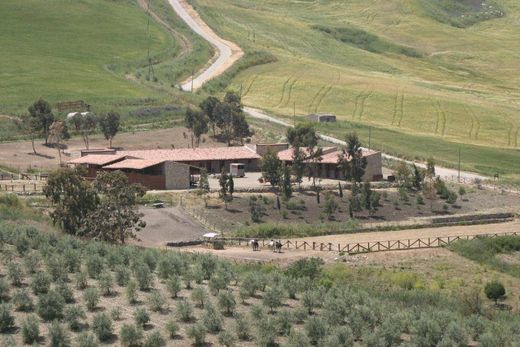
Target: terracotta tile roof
[[137, 164], [98, 159], [195, 154], [287, 154]]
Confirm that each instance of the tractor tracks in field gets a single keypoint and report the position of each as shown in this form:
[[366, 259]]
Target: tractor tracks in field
[[475, 124]]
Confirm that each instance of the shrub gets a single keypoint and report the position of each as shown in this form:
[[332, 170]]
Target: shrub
[[298, 339], [72, 260], [105, 283], [22, 300], [32, 262], [115, 314], [131, 292], [169, 265], [184, 310], [489, 340], [86, 339], [242, 327], [58, 335], [41, 283], [81, 280], [420, 199], [95, 265], [122, 276], [345, 335], [456, 333], [4, 290], [273, 298], [217, 282], [316, 329], [199, 296], [156, 301], [283, 323], [452, 198], [91, 297], [15, 273], [30, 329], [311, 299], [130, 335], [212, 319], [173, 285], [141, 316], [74, 315], [65, 291], [265, 332], [426, 331], [227, 339], [50, 306], [300, 314], [6, 318], [102, 326], [197, 332], [57, 268], [308, 267], [495, 290], [172, 328], [154, 339], [227, 302], [144, 277]]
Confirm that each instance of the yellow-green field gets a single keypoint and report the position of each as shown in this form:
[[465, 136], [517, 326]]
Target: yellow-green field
[[462, 87]]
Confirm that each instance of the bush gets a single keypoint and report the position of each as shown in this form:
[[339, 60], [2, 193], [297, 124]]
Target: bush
[[95, 265], [184, 310], [58, 335], [81, 280], [495, 291], [131, 292], [265, 332], [197, 332], [122, 276], [4, 290], [242, 327], [91, 297], [141, 316], [311, 299], [199, 296], [105, 283], [41, 283], [15, 273], [298, 339], [72, 260], [144, 277], [217, 282], [65, 291], [456, 333], [283, 322], [308, 267], [31, 329], [426, 331], [130, 335], [57, 268], [172, 328], [316, 329], [212, 319], [102, 326], [154, 339], [173, 285], [225, 338], [420, 199], [50, 306], [74, 315], [156, 301], [115, 314], [22, 300], [489, 340], [32, 262], [6, 318], [227, 302], [86, 339], [273, 298]]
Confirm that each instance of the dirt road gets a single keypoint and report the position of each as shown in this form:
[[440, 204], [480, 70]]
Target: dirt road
[[226, 52], [167, 224]]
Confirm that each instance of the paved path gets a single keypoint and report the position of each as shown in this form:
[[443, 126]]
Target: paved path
[[226, 53]]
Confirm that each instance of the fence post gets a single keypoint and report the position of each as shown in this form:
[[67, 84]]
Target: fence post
[[23, 187]]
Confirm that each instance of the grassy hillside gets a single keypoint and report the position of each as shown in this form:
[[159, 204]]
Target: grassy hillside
[[91, 50], [406, 68]]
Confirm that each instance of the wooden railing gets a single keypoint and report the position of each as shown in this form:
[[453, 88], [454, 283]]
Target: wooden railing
[[369, 246]]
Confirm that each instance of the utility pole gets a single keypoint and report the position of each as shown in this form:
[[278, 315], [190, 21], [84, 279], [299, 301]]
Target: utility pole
[[459, 166], [294, 113], [369, 137], [192, 77]]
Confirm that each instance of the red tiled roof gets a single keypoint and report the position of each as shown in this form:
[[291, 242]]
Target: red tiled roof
[[98, 159], [287, 154], [195, 154], [137, 164]]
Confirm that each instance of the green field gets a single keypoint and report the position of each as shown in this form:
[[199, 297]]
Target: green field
[[405, 68], [93, 50]]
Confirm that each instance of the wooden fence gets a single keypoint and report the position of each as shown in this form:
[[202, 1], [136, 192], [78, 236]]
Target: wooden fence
[[369, 246], [21, 188]]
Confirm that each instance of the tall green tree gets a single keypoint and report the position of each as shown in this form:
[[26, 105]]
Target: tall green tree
[[298, 165], [85, 125], [58, 132], [41, 111], [285, 184], [110, 125], [229, 117], [351, 162], [208, 106], [302, 135], [200, 126], [29, 125], [227, 187], [116, 218], [271, 167], [72, 197]]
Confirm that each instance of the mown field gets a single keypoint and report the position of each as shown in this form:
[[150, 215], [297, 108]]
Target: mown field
[[431, 72], [59, 290], [91, 50]]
